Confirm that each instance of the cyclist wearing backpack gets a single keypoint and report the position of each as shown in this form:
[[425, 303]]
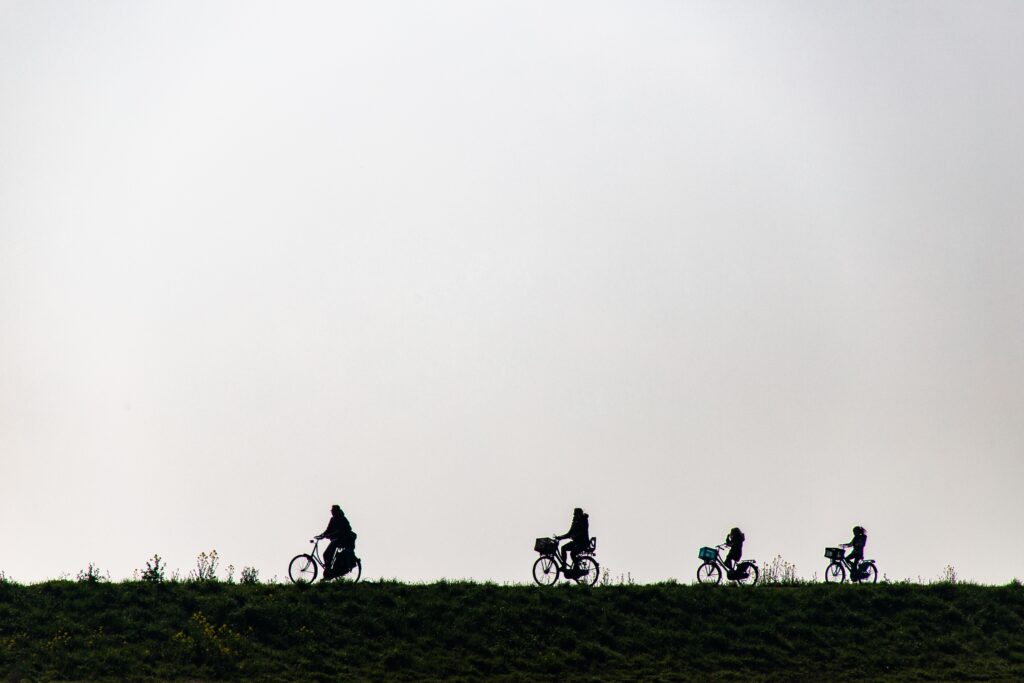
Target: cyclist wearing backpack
[[860, 539], [342, 538], [579, 535], [735, 542]]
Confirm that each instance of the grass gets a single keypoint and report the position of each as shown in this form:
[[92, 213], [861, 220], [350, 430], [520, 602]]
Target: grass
[[62, 630]]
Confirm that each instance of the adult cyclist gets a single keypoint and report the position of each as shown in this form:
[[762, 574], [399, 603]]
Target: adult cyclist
[[578, 535], [734, 540], [860, 539], [342, 538]]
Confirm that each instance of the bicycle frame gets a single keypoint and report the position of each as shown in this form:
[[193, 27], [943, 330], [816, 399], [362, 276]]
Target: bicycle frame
[[849, 565], [562, 566], [855, 576], [315, 554], [724, 569]]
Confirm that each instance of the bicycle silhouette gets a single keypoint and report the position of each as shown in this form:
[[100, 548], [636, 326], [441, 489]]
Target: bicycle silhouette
[[304, 567], [839, 567], [745, 573], [549, 566]]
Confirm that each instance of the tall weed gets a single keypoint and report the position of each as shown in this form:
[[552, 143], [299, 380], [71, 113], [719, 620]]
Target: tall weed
[[779, 572], [155, 571], [92, 574], [206, 567]]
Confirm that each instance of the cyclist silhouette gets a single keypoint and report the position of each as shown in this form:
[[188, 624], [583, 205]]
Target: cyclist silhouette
[[735, 542], [340, 533], [578, 533], [860, 539]]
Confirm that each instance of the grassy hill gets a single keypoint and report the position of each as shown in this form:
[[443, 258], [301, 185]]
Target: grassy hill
[[212, 630]]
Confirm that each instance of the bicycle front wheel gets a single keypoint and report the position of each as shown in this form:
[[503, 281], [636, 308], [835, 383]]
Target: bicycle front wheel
[[709, 573], [545, 571], [588, 571], [835, 573], [302, 569], [751, 577]]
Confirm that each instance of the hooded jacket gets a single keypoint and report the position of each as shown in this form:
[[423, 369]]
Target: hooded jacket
[[579, 532]]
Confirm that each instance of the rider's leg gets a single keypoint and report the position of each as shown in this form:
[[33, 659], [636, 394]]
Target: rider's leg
[[569, 547], [731, 559], [329, 553]]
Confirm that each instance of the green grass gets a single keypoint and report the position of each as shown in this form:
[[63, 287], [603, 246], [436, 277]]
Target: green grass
[[391, 631]]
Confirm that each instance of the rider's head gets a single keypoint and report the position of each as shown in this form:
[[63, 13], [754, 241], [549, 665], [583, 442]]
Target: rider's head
[[335, 509], [858, 530], [735, 531], [578, 512]]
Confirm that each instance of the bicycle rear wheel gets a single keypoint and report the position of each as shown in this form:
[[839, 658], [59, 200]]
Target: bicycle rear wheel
[[302, 569], [835, 573], [587, 570], [545, 571], [752, 574], [709, 573], [868, 574], [353, 574]]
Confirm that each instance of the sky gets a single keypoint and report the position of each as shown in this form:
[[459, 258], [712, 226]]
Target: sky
[[461, 267]]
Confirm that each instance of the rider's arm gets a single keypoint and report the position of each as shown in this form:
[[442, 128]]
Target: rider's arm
[[328, 532], [567, 534]]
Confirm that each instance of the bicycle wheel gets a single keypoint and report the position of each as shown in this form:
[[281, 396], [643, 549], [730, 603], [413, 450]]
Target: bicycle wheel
[[752, 574], [353, 574], [588, 571], [835, 573], [709, 573], [868, 574], [545, 571], [302, 569]]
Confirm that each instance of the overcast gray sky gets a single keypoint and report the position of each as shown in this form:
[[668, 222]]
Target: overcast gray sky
[[463, 266]]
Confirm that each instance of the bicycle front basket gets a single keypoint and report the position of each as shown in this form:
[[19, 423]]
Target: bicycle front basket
[[546, 546], [834, 553], [707, 554]]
